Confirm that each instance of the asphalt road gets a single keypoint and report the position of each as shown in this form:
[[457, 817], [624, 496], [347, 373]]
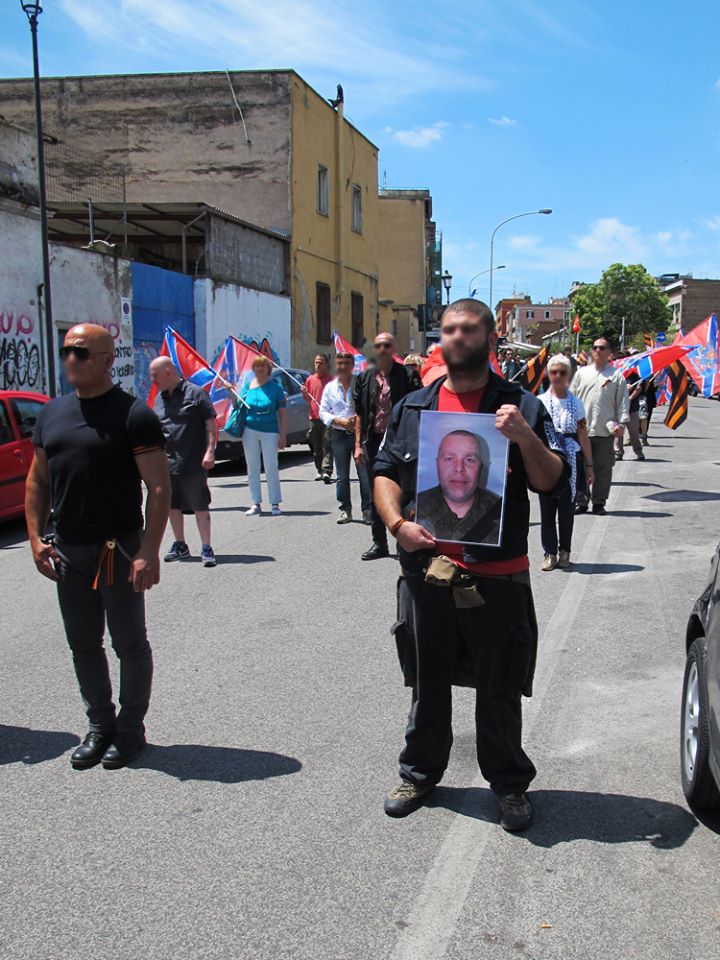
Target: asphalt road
[[253, 828]]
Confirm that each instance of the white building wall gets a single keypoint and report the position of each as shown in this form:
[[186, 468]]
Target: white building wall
[[21, 342], [93, 288], [222, 310], [86, 288]]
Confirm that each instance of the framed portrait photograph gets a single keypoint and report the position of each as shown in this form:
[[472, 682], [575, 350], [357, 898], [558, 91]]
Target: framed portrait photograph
[[462, 474]]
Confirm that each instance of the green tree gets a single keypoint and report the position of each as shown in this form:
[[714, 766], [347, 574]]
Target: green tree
[[623, 291]]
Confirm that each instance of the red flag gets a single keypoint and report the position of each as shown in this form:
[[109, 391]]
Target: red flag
[[188, 362], [232, 365]]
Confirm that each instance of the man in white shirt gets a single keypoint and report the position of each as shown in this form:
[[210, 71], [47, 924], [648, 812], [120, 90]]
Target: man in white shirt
[[604, 394], [337, 412]]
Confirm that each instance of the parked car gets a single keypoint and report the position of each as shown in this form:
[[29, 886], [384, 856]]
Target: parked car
[[700, 720], [298, 415], [18, 415]]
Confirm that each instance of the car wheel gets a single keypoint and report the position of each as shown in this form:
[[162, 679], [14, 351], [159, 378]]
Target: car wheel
[[698, 783]]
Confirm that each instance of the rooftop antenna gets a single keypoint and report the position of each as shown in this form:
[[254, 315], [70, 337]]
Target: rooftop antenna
[[239, 109], [384, 179]]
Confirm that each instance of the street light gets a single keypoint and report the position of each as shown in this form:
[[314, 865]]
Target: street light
[[32, 12], [530, 213], [447, 283], [482, 274]]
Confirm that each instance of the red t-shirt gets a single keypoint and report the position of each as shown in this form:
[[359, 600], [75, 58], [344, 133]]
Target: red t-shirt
[[450, 402], [315, 386]]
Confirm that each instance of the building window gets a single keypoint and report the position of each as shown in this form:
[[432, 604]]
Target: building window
[[323, 312], [547, 314], [529, 314], [356, 208], [323, 195], [357, 317]]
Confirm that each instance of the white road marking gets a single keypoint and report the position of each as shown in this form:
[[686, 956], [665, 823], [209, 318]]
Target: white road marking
[[434, 914]]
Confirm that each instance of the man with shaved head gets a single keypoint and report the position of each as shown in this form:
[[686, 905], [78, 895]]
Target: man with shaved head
[[377, 390], [94, 448], [188, 421]]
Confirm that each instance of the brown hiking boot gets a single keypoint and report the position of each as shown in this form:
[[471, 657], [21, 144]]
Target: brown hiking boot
[[406, 797]]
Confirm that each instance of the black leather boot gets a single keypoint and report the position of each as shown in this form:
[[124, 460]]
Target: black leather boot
[[91, 750], [123, 750]]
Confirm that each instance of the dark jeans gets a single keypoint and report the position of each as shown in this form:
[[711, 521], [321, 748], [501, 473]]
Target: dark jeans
[[84, 612], [343, 445], [379, 530], [603, 456], [562, 510], [321, 442], [501, 640]]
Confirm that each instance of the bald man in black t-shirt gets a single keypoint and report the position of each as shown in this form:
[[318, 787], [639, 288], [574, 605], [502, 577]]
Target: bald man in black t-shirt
[[93, 447]]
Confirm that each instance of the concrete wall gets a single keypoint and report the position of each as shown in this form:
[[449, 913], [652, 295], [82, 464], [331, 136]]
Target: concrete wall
[[179, 135], [21, 342], [18, 165], [241, 254], [91, 288], [222, 310]]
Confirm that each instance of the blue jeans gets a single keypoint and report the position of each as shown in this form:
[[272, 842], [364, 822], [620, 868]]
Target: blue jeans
[[343, 445]]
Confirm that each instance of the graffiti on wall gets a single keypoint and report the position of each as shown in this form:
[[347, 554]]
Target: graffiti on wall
[[20, 362]]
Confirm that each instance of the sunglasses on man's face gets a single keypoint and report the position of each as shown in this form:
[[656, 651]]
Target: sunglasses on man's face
[[80, 353], [600, 346]]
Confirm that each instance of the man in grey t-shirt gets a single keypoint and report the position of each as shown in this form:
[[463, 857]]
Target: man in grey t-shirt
[[188, 421]]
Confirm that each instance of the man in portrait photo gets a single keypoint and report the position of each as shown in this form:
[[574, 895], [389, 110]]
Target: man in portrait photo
[[460, 507]]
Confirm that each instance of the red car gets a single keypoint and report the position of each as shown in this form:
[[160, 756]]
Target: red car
[[18, 414]]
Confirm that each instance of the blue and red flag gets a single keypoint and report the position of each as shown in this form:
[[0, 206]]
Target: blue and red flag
[[188, 362], [232, 365], [342, 346], [703, 364], [650, 362]]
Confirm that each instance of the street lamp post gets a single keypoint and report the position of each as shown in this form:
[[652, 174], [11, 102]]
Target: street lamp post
[[530, 213], [447, 283], [482, 274], [33, 11]]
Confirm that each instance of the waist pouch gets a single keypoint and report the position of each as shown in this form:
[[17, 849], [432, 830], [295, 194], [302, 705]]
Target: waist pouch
[[445, 573]]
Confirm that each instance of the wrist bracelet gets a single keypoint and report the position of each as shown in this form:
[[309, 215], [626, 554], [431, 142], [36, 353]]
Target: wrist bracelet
[[396, 526]]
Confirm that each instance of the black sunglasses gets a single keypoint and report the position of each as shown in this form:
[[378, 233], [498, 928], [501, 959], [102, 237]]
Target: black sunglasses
[[80, 353], [600, 346]]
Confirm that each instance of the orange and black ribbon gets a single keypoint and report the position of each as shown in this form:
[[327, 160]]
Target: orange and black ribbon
[[107, 557], [678, 389], [532, 375]]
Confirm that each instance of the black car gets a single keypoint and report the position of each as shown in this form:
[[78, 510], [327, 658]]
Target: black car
[[700, 722]]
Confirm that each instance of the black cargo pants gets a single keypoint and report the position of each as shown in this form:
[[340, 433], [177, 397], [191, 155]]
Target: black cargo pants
[[496, 644], [84, 612]]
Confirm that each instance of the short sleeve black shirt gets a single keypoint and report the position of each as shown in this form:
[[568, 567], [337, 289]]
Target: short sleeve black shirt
[[183, 413], [91, 445]]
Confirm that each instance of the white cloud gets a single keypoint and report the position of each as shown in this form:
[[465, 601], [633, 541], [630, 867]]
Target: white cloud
[[419, 137], [328, 42], [711, 223], [503, 121], [525, 242], [717, 84]]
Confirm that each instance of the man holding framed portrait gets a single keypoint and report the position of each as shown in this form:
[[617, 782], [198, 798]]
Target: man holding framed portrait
[[467, 446]]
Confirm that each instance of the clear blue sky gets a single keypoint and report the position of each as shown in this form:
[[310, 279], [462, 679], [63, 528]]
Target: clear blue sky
[[607, 112]]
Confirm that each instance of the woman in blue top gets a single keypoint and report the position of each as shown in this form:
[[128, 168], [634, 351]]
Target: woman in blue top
[[265, 434]]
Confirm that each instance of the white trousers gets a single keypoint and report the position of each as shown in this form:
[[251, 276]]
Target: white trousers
[[257, 443]]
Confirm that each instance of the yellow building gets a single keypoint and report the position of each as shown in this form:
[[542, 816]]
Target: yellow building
[[335, 226], [261, 145], [405, 237]]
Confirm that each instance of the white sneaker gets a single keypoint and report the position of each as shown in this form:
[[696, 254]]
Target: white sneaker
[[254, 511], [344, 517], [276, 511]]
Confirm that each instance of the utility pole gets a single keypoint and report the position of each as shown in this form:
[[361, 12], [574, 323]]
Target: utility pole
[[33, 11]]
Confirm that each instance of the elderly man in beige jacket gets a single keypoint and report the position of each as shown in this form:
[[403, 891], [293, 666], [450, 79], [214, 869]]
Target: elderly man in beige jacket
[[604, 394]]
